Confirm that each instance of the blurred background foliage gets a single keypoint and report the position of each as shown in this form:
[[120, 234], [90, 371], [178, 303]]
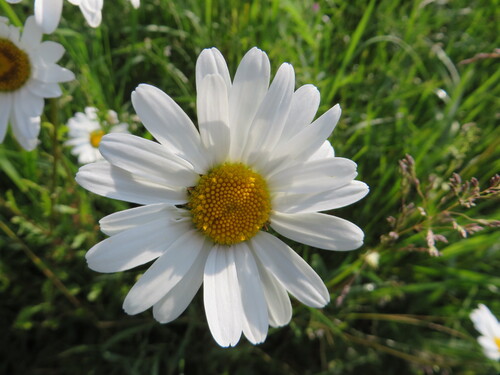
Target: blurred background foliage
[[419, 85]]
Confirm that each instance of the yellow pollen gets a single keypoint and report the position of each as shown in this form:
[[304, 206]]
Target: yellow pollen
[[497, 341], [230, 204], [95, 137], [15, 67]]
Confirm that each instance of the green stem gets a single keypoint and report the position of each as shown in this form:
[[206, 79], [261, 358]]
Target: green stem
[[11, 15], [55, 160]]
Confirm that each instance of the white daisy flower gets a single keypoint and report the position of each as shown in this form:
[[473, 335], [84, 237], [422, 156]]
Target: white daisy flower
[[86, 131], [489, 327], [48, 12], [209, 195], [28, 74]]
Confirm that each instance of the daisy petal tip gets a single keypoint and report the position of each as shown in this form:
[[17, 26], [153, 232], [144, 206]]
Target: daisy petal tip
[[257, 341], [158, 318], [320, 302], [355, 245], [143, 89], [130, 308], [94, 266]]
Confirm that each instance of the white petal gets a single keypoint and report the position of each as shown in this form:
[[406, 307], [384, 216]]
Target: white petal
[[221, 296], [319, 230], [53, 74], [313, 176], [135, 3], [213, 117], [178, 298], [166, 121], [5, 112], [165, 273], [25, 127], [487, 343], [112, 182], [14, 35], [253, 301], [147, 159], [122, 220], [51, 52], [120, 128], [490, 348], [27, 103], [88, 154], [136, 246], [48, 14], [43, 89], [4, 28], [269, 120], [249, 87], [324, 152], [91, 10], [322, 201], [305, 103], [209, 62], [32, 34], [279, 307], [309, 140], [290, 270], [485, 322]]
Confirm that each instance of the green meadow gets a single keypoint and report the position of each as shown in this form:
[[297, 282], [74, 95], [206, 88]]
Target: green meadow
[[419, 87]]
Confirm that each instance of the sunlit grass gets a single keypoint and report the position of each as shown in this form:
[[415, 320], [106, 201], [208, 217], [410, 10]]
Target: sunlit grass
[[399, 70]]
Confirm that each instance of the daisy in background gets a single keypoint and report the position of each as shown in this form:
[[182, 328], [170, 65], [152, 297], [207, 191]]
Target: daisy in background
[[28, 74], [86, 130], [488, 326], [209, 194], [48, 12]]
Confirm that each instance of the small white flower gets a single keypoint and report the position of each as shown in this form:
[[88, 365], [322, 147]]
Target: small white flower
[[28, 74], [209, 194], [486, 324], [86, 131], [48, 12]]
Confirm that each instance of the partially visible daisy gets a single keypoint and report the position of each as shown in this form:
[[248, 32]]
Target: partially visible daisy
[[486, 323], [48, 12], [86, 131], [209, 195], [28, 74]]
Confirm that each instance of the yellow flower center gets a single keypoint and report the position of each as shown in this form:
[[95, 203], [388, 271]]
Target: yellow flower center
[[15, 67], [497, 341], [95, 137], [230, 204]]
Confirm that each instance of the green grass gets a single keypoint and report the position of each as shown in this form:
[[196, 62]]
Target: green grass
[[399, 70]]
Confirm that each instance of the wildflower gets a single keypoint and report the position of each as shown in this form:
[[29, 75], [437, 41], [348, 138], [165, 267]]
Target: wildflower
[[209, 195], [86, 131], [28, 74], [488, 326], [48, 12]]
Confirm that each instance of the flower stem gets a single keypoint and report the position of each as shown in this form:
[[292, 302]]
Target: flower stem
[[41, 265], [55, 160]]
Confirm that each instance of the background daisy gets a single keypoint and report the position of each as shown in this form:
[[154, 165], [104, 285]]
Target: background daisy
[[48, 12], [28, 74], [86, 130], [489, 327]]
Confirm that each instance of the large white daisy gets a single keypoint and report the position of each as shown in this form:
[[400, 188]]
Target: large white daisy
[[48, 12], [489, 327], [28, 74], [86, 130], [209, 196]]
